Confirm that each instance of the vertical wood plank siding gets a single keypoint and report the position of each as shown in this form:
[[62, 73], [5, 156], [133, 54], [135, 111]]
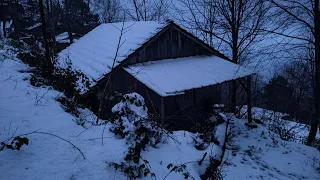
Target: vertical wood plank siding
[[169, 44], [124, 82]]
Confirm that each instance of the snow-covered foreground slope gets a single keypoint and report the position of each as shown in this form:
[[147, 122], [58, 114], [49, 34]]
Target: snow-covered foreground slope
[[24, 109], [257, 154]]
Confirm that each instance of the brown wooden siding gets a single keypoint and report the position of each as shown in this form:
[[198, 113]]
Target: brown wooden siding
[[123, 82], [216, 94], [169, 44]]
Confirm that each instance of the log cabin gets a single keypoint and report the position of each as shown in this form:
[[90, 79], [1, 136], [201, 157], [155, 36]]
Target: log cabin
[[170, 67]]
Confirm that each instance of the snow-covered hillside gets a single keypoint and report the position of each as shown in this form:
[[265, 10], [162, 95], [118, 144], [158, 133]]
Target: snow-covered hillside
[[251, 154]]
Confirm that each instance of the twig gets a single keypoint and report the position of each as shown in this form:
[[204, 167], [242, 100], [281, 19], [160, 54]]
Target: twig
[[7, 79], [99, 138], [204, 156], [178, 166], [63, 140], [103, 133], [83, 131], [38, 99]]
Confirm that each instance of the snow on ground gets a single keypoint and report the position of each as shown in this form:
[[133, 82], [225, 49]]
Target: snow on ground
[[173, 76], [253, 154], [277, 118], [24, 109]]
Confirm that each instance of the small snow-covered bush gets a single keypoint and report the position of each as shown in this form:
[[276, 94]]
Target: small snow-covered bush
[[205, 134], [127, 113], [130, 121], [69, 81], [213, 171], [200, 143], [69, 105], [202, 140], [63, 78]]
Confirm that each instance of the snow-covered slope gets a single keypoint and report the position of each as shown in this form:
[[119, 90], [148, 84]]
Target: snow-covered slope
[[24, 109], [257, 154]]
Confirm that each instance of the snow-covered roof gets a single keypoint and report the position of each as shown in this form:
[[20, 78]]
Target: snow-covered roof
[[173, 76], [93, 54]]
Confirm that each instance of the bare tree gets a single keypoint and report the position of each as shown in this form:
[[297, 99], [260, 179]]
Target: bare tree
[[109, 10], [147, 10], [104, 96], [48, 63], [304, 19], [235, 24]]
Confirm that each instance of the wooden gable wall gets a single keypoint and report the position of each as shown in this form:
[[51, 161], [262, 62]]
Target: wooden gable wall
[[170, 43]]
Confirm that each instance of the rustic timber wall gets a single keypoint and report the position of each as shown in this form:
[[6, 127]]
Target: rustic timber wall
[[168, 44], [197, 98], [123, 82]]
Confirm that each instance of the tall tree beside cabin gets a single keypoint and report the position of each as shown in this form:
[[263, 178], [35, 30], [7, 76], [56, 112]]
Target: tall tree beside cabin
[[48, 68], [78, 16], [304, 15], [235, 24]]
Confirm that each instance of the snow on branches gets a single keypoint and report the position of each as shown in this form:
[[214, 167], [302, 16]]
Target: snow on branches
[[130, 121]]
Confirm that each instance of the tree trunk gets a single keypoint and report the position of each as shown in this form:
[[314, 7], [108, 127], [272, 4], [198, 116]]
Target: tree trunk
[[68, 15], [316, 121], [48, 63], [136, 9], [70, 34], [53, 30], [16, 21], [235, 56], [249, 99], [4, 28]]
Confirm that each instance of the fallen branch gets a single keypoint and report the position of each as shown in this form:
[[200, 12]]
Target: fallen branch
[[50, 134]]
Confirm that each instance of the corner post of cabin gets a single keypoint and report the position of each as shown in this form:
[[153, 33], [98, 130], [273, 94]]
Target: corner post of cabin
[[162, 115], [249, 99]]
